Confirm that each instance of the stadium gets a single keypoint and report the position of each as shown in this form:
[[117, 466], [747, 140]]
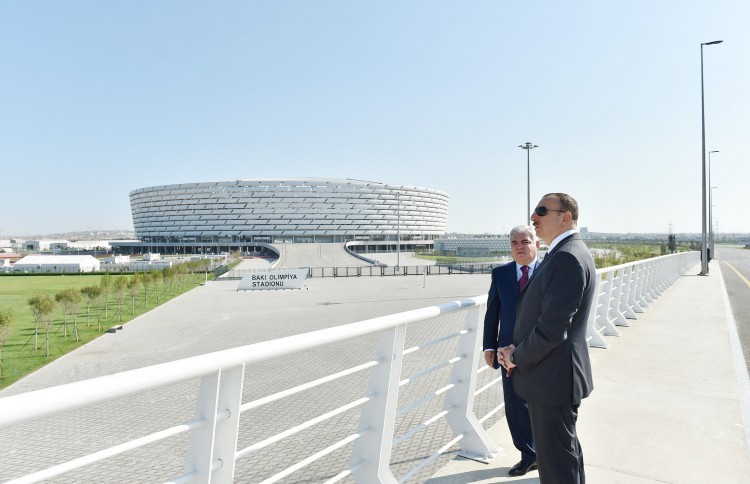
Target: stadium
[[249, 215]]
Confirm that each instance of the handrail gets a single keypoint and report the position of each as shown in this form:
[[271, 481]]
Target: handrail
[[621, 292]]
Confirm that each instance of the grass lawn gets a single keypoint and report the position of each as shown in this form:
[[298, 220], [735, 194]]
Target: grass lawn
[[19, 355]]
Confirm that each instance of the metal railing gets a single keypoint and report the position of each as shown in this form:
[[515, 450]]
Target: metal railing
[[624, 290], [215, 444], [382, 271]]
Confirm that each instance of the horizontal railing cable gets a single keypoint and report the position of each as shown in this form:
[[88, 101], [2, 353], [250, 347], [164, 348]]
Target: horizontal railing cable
[[489, 385], [431, 370], [309, 460], [435, 341], [431, 458], [109, 452], [305, 386], [419, 427], [428, 398], [299, 428]]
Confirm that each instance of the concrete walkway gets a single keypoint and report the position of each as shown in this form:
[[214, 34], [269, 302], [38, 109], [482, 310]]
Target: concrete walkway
[[671, 400]]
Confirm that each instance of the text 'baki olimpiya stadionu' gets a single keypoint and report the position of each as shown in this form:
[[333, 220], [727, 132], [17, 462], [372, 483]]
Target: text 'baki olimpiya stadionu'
[[246, 215]]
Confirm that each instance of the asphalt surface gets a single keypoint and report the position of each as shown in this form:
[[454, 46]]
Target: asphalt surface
[[735, 269]]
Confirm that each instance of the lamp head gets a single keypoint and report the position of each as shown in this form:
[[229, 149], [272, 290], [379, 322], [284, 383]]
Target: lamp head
[[713, 42]]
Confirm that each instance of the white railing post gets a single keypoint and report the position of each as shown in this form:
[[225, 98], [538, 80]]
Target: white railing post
[[592, 335], [459, 400], [656, 269], [627, 299], [646, 281], [225, 446], [616, 298], [200, 452], [640, 301], [608, 327], [371, 455]]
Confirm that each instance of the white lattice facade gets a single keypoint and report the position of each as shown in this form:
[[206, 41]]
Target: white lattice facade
[[287, 210], [473, 247]]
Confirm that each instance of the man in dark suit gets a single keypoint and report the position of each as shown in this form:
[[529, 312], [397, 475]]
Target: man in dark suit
[[499, 322], [549, 355]]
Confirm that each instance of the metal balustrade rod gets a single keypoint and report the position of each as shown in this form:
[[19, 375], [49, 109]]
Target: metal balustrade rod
[[431, 458], [426, 399], [309, 460], [305, 386], [488, 386], [108, 453], [435, 341], [416, 429], [343, 474], [430, 371], [299, 428], [491, 413]]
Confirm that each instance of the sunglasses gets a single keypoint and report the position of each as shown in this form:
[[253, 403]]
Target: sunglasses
[[542, 211]]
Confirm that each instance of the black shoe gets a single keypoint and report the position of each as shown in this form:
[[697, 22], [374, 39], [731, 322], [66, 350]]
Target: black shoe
[[522, 468]]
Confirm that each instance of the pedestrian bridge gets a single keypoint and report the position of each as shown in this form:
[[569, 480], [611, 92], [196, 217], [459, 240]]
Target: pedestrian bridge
[[384, 399]]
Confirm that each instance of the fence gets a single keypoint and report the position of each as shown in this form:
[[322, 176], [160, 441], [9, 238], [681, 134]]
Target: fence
[[372, 271], [218, 447]]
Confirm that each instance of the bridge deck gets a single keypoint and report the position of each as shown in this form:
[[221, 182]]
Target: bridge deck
[[667, 404]]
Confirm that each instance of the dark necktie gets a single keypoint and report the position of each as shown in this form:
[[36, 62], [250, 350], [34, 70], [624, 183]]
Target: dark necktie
[[524, 277]]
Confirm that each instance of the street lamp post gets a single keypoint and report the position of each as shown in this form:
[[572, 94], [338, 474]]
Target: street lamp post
[[398, 231], [704, 247], [528, 146], [711, 221], [710, 207]]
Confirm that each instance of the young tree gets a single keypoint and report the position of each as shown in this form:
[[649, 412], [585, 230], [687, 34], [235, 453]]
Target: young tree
[[106, 284], [6, 323], [156, 277], [133, 282], [146, 283], [74, 305], [69, 300], [43, 308], [92, 295], [120, 285], [169, 274]]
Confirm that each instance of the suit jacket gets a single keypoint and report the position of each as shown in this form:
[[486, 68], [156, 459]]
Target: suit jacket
[[500, 318], [551, 355]]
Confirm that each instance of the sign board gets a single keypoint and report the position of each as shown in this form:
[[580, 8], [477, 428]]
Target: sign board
[[281, 279]]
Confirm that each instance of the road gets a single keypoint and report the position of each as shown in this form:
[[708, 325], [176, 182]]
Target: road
[[735, 267]]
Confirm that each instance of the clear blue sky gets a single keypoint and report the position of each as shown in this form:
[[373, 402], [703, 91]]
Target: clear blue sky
[[101, 98]]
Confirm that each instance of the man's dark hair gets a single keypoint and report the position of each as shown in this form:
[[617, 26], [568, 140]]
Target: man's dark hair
[[567, 203]]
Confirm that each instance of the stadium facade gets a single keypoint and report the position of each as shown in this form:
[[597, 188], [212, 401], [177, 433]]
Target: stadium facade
[[248, 214]]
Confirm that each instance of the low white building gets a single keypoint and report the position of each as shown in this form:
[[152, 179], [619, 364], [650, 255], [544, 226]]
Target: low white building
[[117, 259], [149, 265], [57, 263]]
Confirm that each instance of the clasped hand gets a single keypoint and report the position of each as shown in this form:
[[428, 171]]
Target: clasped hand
[[503, 357]]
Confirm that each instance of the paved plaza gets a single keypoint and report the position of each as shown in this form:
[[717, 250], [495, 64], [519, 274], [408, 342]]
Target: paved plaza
[[215, 317]]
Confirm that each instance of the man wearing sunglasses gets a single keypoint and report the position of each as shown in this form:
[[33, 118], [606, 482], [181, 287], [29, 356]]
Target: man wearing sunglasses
[[549, 357], [499, 321]]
